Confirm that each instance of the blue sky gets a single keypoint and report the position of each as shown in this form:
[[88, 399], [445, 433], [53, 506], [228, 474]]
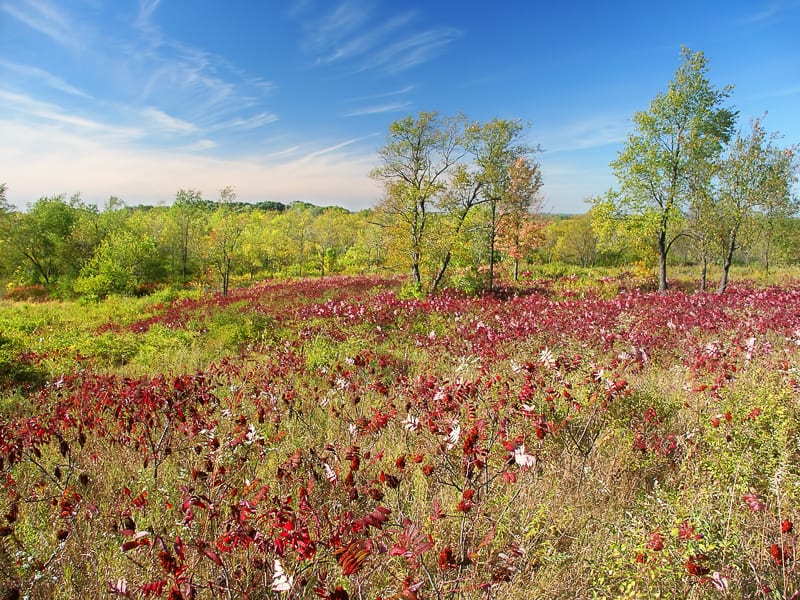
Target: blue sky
[[290, 100]]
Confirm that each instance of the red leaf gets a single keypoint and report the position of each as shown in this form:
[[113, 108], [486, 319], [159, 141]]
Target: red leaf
[[375, 519], [694, 568], [446, 559], [351, 558], [154, 588], [213, 556], [754, 502], [656, 542], [686, 532], [777, 553]]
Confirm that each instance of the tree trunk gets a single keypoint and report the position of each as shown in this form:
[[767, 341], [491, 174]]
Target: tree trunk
[[440, 275], [726, 264], [516, 268], [492, 239], [704, 273], [662, 261], [415, 274], [226, 274]]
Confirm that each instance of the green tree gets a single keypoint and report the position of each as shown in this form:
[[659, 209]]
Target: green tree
[[496, 146], [417, 157], [189, 218], [622, 237], [331, 235], [225, 233], [455, 205], [41, 239], [5, 207], [576, 241], [756, 176], [6, 219], [683, 129], [124, 263]]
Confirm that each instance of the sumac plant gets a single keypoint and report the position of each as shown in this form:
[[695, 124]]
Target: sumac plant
[[363, 445]]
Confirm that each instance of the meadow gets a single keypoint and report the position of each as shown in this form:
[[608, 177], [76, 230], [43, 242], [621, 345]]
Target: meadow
[[569, 437]]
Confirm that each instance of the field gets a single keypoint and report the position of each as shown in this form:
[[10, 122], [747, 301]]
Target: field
[[331, 438]]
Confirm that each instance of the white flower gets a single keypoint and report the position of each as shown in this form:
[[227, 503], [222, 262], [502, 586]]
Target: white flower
[[280, 582], [455, 433], [719, 581], [547, 359], [330, 474], [522, 459], [411, 423]]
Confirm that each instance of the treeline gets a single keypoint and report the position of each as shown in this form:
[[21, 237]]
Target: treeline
[[64, 246]]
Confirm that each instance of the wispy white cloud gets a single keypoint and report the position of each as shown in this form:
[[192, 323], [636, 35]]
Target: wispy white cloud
[[363, 42], [340, 24], [328, 150], [53, 81], [30, 108], [167, 123], [254, 122], [379, 108], [399, 92], [353, 35], [200, 145], [146, 10], [764, 13], [412, 50], [47, 19]]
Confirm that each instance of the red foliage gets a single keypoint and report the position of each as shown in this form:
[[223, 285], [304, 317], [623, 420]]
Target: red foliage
[[656, 542]]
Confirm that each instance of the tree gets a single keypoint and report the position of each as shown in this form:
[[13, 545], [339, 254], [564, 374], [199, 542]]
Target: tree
[[4, 205], [123, 263], [455, 205], [416, 159], [622, 238], [331, 234], [780, 203], [6, 219], [496, 146], [189, 215], [296, 233], [522, 202], [226, 227], [575, 240], [755, 175], [683, 129], [41, 237]]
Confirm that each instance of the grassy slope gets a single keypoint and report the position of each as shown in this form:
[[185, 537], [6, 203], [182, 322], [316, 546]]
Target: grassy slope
[[571, 440]]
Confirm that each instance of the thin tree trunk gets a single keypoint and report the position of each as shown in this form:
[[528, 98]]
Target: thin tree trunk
[[726, 265], [704, 273], [492, 238], [415, 274], [440, 275], [662, 262]]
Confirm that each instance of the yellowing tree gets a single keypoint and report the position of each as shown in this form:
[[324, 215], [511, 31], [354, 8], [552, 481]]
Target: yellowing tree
[[417, 157]]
